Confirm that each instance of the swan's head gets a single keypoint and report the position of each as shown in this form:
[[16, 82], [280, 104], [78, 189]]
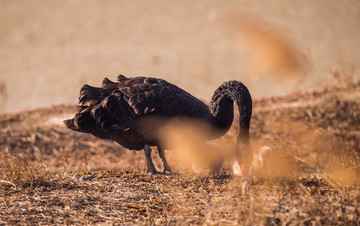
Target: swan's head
[[260, 165]]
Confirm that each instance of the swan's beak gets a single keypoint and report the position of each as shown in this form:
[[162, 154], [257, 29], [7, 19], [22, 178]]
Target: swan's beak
[[242, 170], [261, 163], [244, 155]]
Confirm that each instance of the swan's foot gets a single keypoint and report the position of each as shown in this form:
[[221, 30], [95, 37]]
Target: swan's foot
[[162, 173], [167, 169], [155, 172]]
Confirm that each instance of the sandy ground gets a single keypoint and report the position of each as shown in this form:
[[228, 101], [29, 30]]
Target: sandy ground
[[49, 49], [50, 174]]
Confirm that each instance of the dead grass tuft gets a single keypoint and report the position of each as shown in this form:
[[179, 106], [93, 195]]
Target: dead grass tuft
[[345, 77], [22, 172]]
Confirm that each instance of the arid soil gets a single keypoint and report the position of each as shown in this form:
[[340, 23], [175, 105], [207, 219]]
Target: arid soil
[[51, 175]]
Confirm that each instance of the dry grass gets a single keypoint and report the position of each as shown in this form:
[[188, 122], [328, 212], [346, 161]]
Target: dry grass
[[52, 175]]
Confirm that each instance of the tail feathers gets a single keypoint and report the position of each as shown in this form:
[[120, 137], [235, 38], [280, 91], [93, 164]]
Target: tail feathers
[[83, 122], [102, 110], [90, 95], [107, 83], [117, 107], [104, 118], [96, 120], [121, 78], [81, 108], [69, 123]]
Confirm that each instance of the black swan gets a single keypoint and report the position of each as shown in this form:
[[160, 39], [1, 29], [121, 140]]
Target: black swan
[[116, 111]]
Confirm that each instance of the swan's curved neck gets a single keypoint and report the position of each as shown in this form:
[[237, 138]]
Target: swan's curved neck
[[222, 113], [222, 108]]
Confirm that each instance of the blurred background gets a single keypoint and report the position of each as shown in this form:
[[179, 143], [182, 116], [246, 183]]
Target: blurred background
[[49, 49]]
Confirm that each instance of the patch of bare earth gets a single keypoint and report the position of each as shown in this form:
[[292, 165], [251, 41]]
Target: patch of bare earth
[[52, 175]]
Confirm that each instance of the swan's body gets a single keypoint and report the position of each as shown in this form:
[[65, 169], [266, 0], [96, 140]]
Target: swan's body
[[121, 111]]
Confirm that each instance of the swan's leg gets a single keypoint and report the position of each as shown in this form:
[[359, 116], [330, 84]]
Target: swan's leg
[[166, 167], [150, 165]]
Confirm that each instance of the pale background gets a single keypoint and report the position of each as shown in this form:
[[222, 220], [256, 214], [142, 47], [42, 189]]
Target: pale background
[[48, 49]]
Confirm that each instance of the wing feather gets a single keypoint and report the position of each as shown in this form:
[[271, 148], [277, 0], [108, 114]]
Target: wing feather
[[144, 95], [119, 104]]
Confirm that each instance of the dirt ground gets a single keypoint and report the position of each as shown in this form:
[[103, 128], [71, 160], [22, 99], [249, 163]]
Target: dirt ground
[[51, 175]]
